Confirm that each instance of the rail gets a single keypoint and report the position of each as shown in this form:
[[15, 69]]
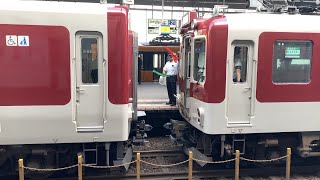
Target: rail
[[138, 161]]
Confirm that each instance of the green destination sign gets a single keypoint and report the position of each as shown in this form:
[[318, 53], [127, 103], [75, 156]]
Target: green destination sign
[[292, 52]]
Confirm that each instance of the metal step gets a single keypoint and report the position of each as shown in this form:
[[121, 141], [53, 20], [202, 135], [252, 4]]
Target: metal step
[[239, 143], [90, 129], [88, 151]]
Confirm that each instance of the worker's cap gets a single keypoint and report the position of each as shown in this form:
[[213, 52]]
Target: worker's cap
[[237, 63]]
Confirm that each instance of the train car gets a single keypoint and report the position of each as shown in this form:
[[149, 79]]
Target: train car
[[67, 84], [249, 82]]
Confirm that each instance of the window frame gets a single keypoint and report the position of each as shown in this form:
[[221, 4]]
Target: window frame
[[273, 60], [193, 59], [90, 36]]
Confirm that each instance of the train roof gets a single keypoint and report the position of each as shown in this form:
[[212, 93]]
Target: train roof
[[55, 7], [273, 22]]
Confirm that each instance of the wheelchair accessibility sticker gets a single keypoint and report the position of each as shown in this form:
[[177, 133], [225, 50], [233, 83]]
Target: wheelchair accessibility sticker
[[13, 40]]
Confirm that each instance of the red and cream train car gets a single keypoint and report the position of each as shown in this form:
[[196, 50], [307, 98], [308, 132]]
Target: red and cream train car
[[65, 83], [250, 81]]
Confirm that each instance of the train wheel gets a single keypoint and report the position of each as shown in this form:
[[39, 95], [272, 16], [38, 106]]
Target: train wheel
[[247, 3], [274, 153]]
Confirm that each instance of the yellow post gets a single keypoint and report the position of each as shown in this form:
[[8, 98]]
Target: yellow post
[[21, 170], [80, 167], [190, 165], [288, 163], [237, 165], [138, 166]]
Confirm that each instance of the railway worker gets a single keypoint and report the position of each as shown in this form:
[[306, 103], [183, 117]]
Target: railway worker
[[171, 70], [93, 64], [237, 72]]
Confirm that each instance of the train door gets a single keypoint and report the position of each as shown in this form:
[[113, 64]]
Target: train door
[[187, 66], [90, 74], [240, 73]]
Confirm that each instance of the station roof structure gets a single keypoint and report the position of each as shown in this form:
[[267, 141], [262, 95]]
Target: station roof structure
[[238, 4]]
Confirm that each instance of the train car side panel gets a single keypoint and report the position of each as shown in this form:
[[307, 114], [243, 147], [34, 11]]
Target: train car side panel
[[213, 89], [49, 124], [36, 69], [118, 62], [294, 89]]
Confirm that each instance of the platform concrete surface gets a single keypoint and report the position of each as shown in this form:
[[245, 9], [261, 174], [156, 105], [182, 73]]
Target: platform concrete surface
[[152, 91], [153, 97]]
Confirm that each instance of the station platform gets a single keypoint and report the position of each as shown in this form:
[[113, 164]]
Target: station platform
[[153, 97]]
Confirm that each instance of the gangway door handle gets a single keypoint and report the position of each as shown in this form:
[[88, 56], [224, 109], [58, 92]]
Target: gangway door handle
[[247, 88], [79, 90]]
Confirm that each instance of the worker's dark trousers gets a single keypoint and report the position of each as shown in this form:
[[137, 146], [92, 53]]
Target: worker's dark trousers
[[172, 88]]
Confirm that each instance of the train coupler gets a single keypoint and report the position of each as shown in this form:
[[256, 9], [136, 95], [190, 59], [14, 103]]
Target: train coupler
[[141, 129]]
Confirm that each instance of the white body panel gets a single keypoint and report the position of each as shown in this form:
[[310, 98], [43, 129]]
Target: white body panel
[[266, 120], [264, 117], [58, 124]]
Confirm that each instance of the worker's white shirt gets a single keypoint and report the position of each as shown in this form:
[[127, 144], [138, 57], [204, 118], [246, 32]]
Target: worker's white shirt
[[171, 68]]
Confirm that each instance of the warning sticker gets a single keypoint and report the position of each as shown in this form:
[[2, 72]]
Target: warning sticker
[[23, 41], [11, 40]]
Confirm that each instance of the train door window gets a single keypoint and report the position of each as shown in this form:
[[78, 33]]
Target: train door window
[[89, 54], [187, 56], [240, 59], [199, 60], [180, 64], [188, 64], [292, 61]]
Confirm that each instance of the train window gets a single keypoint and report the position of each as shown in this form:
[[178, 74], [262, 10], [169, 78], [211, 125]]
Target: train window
[[187, 57], [240, 64], [188, 64], [199, 60], [292, 61], [89, 54]]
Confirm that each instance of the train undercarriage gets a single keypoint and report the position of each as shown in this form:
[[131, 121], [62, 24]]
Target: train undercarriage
[[52, 156], [253, 146], [62, 155]]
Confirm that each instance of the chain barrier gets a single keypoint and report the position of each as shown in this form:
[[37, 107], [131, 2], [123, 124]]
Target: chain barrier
[[164, 165], [214, 162], [263, 161], [138, 161], [48, 170], [107, 167]]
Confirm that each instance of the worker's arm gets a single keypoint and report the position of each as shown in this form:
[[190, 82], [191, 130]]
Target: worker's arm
[[238, 74], [164, 71]]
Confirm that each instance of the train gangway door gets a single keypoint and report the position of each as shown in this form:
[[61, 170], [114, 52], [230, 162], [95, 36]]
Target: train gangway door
[[240, 76], [89, 82]]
